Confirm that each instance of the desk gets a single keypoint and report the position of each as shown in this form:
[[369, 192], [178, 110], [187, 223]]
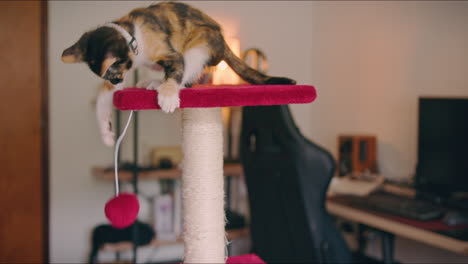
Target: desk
[[391, 227]]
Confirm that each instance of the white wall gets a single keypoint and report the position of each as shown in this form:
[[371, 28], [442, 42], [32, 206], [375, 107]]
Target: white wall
[[369, 61]]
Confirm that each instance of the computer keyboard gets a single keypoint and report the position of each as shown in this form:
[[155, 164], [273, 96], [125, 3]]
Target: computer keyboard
[[396, 205]]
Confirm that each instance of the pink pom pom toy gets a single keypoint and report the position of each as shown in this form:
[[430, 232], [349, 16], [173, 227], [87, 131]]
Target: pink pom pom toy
[[122, 210]]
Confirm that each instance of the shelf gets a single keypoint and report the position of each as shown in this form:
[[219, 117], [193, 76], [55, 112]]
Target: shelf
[[126, 246], [230, 169], [237, 233]]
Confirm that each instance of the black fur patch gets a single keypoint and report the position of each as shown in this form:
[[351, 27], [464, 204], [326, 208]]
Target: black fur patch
[[279, 80], [173, 68], [182, 13], [102, 42], [217, 44], [185, 12], [154, 22]]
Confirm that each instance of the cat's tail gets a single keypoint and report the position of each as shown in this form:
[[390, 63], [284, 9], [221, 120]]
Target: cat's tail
[[251, 75]]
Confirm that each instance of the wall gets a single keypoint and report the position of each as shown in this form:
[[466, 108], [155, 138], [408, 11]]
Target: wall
[[369, 61], [372, 60]]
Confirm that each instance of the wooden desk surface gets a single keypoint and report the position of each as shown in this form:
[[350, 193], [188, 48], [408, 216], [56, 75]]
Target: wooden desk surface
[[397, 228]]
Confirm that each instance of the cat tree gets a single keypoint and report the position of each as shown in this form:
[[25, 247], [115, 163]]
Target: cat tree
[[202, 168]]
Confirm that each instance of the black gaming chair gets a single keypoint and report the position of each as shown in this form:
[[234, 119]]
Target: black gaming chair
[[287, 177]]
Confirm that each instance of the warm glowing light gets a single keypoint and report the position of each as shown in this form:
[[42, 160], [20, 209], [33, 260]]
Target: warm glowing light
[[223, 74], [222, 65]]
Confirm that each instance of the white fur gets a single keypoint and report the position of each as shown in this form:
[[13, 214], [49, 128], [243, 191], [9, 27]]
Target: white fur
[[169, 103], [168, 96], [194, 60], [140, 59], [104, 116]]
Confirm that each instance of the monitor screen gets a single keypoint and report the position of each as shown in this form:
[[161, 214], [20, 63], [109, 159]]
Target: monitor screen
[[442, 145]]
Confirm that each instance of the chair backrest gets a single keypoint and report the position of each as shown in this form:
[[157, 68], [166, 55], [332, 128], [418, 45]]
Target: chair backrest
[[287, 178]]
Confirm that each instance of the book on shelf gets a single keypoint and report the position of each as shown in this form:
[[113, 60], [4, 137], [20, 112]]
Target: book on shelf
[[167, 210], [163, 215], [178, 223]]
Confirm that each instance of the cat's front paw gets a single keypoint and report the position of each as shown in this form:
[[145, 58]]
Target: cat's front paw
[[168, 96], [108, 137]]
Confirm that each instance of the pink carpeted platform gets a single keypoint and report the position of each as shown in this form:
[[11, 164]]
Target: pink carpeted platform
[[245, 259], [219, 96]]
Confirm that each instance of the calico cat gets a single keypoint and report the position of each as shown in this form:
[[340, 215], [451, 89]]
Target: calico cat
[[172, 35]]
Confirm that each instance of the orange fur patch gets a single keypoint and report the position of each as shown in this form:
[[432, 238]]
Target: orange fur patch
[[106, 64], [70, 59], [107, 86]]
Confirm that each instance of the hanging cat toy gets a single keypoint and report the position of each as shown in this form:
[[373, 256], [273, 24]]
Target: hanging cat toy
[[121, 210]]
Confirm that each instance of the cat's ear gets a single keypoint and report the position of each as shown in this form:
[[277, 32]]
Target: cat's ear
[[73, 54]]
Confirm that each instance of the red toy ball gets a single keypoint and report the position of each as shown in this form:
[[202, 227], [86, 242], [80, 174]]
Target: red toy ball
[[122, 210]]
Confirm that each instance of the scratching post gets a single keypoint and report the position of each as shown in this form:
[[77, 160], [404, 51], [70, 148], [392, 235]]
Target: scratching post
[[202, 179], [203, 185]]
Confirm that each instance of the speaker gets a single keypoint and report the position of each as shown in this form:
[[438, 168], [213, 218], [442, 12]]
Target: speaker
[[357, 154]]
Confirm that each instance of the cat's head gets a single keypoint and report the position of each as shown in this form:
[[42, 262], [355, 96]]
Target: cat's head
[[105, 51]]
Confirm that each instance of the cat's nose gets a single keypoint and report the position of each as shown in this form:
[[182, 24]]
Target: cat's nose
[[115, 81]]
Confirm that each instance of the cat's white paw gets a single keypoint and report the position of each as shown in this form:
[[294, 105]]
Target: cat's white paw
[[108, 137], [168, 96], [169, 103]]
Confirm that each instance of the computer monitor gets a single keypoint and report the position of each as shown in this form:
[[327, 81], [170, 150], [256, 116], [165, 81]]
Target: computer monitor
[[442, 167]]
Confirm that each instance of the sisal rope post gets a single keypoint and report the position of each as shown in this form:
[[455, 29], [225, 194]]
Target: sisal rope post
[[203, 185]]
